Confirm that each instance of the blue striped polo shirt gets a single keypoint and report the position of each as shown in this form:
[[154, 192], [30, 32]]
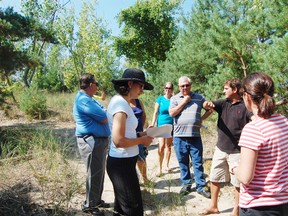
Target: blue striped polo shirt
[[188, 122]]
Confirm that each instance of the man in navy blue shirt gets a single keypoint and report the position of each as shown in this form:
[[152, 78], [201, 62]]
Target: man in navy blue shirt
[[92, 132]]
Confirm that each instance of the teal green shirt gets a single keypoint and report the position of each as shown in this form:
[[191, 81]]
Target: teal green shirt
[[163, 111]]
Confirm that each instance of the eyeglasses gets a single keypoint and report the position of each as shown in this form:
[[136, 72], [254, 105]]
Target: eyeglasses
[[141, 85], [94, 83], [187, 85], [168, 88]]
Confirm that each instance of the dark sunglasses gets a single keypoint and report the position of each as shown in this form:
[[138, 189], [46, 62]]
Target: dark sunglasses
[[187, 85], [168, 88], [94, 83], [142, 85]]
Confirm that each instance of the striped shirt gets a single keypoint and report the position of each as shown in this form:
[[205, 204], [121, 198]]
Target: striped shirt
[[270, 183], [188, 122]]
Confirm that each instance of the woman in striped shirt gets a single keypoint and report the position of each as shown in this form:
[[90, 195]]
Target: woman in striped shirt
[[263, 168]]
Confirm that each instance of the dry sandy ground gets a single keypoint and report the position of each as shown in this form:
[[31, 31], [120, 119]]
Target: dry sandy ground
[[162, 198], [165, 191]]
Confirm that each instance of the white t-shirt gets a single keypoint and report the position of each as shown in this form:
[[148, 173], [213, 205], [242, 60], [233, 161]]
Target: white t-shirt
[[119, 104]]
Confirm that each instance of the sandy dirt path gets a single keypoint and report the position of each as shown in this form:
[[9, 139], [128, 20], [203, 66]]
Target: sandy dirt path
[[164, 193]]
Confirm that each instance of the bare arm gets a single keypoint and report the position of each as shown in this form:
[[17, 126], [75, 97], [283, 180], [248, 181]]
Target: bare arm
[[144, 113], [245, 170], [155, 114], [206, 114], [103, 96], [118, 133], [176, 110]]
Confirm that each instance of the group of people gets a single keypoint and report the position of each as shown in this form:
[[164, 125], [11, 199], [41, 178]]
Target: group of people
[[246, 120]]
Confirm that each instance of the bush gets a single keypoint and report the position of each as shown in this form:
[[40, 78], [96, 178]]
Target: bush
[[33, 103]]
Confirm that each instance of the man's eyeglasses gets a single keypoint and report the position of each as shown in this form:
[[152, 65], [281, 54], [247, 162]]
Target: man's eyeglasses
[[94, 83], [187, 85], [168, 88]]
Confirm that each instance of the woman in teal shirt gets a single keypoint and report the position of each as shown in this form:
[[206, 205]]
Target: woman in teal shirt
[[161, 117]]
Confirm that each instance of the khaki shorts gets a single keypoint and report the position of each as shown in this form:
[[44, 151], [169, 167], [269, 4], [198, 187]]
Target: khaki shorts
[[222, 162]]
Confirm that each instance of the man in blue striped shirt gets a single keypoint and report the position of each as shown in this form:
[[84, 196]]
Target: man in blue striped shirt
[[185, 108]]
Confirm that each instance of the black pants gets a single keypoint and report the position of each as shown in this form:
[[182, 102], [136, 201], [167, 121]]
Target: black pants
[[123, 175], [279, 210]]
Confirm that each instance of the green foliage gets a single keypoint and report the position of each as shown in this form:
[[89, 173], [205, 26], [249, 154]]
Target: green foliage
[[50, 76], [44, 14], [89, 49], [20, 141], [148, 33], [14, 28], [11, 145], [4, 92], [224, 39], [62, 104], [33, 103]]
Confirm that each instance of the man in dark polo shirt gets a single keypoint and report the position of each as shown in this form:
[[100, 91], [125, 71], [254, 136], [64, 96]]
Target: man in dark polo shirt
[[232, 117]]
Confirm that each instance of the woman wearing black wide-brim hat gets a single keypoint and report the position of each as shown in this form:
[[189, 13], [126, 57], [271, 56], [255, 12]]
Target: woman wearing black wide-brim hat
[[123, 152]]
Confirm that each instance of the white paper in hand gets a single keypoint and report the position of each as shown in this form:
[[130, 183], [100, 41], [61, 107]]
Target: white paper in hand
[[163, 131]]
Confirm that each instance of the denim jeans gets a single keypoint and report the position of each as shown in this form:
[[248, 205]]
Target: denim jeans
[[185, 147]]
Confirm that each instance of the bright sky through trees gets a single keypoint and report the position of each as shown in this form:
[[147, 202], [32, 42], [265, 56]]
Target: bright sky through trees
[[107, 9]]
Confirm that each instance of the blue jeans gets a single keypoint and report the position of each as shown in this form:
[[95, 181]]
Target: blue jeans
[[143, 152], [185, 147]]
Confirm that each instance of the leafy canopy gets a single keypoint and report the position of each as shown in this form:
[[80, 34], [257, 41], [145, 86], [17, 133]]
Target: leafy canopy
[[148, 32]]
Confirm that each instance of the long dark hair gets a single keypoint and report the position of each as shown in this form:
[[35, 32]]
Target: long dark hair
[[260, 87]]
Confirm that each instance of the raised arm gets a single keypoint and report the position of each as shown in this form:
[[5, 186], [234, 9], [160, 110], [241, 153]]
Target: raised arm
[[207, 105], [206, 114], [176, 110]]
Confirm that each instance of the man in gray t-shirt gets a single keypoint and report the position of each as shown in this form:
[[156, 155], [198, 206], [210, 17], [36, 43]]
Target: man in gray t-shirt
[[185, 108]]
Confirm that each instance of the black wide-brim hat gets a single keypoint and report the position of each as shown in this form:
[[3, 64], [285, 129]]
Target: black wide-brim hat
[[133, 74]]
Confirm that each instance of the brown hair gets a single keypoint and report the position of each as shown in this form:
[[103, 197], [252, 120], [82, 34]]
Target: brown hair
[[122, 88], [169, 83], [86, 79], [260, 87], [234, 83]]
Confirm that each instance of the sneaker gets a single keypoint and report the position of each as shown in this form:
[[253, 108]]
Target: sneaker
[[93, 211], [186, 189], [103, 204], [205, 193]]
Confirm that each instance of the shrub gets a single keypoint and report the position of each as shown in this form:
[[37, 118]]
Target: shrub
[[33, 103]]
